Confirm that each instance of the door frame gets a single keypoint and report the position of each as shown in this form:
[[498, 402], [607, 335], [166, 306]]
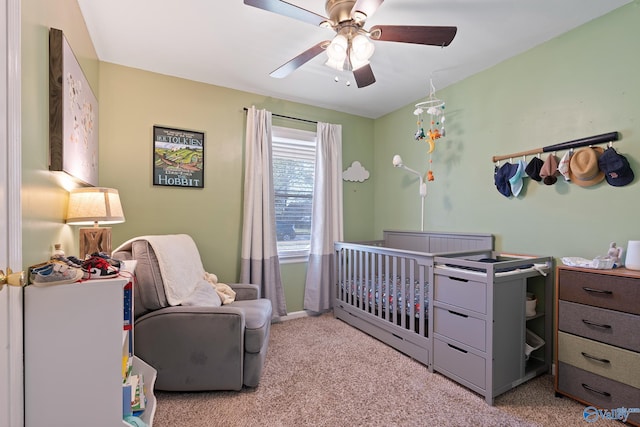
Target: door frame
[[11, 306]]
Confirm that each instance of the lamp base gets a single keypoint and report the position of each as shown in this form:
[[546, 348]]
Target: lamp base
[[95, 239]]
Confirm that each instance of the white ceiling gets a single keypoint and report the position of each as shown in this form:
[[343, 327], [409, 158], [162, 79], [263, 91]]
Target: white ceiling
[[230, 44]]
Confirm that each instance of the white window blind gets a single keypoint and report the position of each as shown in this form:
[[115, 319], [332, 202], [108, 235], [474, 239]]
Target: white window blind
[[294, 156]]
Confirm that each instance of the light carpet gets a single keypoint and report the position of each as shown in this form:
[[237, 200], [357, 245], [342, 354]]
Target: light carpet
[[322, 372]]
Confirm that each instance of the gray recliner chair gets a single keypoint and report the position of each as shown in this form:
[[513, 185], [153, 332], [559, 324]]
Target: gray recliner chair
[[196, 348]]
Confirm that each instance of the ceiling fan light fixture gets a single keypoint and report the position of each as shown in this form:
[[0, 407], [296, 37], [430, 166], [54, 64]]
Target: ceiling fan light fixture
[[337, 49], [362, 48]]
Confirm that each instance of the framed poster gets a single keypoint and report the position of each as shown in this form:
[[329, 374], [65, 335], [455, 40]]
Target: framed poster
[[178, 157], [73, 114]]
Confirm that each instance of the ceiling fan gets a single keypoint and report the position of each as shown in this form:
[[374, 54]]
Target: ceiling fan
[[351, 48]]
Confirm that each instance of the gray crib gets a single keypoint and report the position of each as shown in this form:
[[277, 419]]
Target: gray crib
[[383, 287]]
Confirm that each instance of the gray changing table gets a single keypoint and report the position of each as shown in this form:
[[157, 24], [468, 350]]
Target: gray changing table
[[479, 322]]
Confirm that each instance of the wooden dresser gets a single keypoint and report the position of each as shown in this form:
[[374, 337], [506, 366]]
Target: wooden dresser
[[598, 338]]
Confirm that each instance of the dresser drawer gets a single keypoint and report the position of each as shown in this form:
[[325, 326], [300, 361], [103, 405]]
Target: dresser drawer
[[599, 391], [607, 291], [609, 326], [460, 327], [602, 359], [463, 293], [459, 362]]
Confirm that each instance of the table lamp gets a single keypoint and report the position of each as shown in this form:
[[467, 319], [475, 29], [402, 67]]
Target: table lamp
[[94, 206]]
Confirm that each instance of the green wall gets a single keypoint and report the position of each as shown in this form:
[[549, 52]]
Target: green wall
[[132, 101], [580, 84]]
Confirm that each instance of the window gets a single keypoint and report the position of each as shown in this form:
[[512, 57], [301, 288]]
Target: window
[[294, 158]]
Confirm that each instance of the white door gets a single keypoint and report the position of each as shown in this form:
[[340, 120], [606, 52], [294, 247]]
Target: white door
[[11, 328]]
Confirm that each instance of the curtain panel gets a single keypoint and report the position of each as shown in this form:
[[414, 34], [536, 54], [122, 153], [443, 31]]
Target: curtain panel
[[326, 218], [259, 258]]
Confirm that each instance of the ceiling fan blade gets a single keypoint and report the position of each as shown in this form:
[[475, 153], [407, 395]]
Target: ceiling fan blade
[[364, 76], [434, 36], [298, 61], [368, 7], [287, 9]]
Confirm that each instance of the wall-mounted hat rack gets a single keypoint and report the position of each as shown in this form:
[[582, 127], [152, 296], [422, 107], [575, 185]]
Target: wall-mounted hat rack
[[582, 142]]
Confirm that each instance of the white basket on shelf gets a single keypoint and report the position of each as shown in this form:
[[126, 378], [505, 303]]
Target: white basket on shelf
[[533, 342]]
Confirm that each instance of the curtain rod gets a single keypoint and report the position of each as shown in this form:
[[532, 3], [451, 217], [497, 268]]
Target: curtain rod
[[288, 117], [582, 142]]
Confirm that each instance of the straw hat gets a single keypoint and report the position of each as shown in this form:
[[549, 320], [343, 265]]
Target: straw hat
[[583, 168]]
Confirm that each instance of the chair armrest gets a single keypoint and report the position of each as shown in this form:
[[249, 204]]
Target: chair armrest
[[246, 291]]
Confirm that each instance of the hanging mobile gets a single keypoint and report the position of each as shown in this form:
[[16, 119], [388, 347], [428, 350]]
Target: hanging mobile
[[435, 109]]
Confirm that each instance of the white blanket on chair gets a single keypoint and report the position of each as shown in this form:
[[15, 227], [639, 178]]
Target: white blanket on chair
[[185, 280]]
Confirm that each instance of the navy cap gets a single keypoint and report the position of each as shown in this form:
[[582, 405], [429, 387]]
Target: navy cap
[[616, 168], [501, 178]]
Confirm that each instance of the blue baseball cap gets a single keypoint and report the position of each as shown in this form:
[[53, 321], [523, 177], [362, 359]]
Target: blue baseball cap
[[616, 168], [501, 178]]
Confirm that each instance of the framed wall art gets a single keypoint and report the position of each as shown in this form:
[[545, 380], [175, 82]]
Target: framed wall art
[[178, 157], [73, 114]]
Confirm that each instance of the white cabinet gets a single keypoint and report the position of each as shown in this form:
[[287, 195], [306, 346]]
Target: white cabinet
[[73, 347]]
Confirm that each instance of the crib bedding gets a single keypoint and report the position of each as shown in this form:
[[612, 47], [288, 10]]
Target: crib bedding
[[391, 295]]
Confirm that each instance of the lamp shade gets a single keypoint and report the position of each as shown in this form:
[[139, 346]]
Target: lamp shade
[[94, 205]]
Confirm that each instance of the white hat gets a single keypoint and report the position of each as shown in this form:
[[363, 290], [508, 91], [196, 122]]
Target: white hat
[[563, 166]]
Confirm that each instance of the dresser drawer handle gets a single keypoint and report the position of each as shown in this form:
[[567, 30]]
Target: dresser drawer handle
[[458, 314], [597, 291], [457, 348], [587, 387], [458, 279], [597, 325], [597, 359]]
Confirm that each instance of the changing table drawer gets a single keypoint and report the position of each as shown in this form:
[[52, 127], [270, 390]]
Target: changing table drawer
[[459, 362], [614, 292], [460, 327], [602, 359], [597, 390], [463, 293], [600, 324]]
